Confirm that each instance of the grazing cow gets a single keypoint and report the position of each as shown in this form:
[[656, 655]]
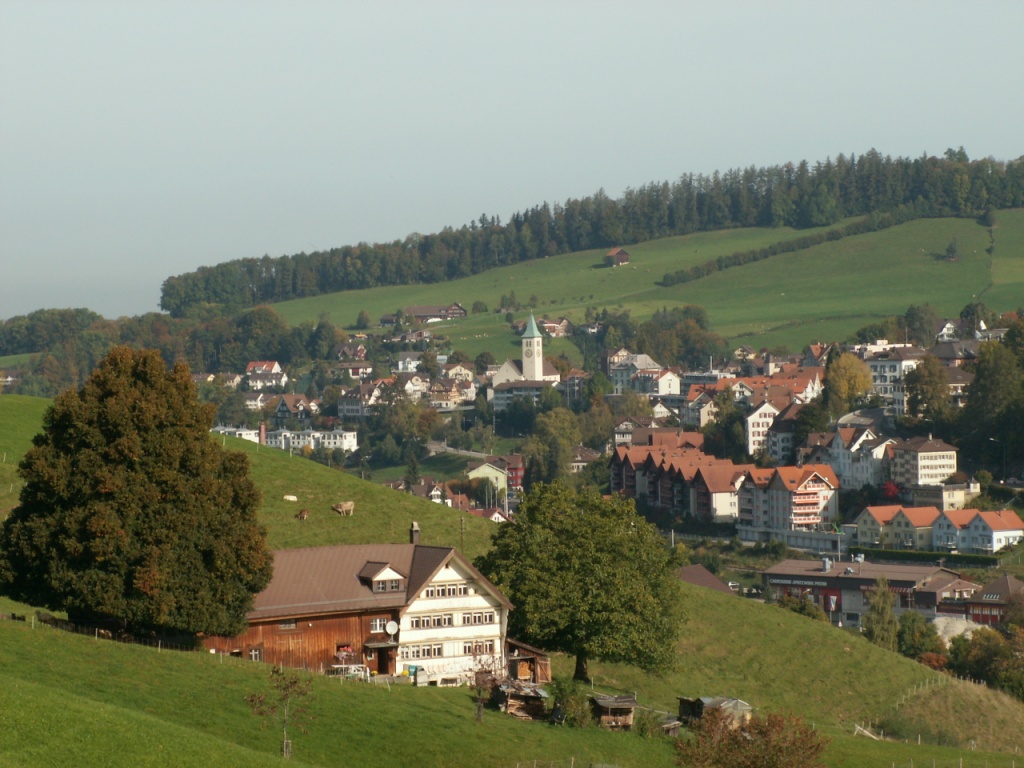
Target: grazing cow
[[345, 507], [302, 514]]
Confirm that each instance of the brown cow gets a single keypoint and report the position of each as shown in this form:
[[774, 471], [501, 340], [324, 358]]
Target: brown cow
[[302, 514]]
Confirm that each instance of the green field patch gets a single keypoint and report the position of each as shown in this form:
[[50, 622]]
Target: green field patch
[[825, 292]]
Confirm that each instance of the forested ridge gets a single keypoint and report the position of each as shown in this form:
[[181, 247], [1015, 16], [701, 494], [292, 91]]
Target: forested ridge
[[799, 196]]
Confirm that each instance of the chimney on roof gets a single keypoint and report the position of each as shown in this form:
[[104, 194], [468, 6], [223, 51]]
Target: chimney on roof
[[414, 533]]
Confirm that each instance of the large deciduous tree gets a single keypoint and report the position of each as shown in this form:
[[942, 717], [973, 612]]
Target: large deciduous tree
[[846, 380], [927, 388], [588, 577], [131, 511]]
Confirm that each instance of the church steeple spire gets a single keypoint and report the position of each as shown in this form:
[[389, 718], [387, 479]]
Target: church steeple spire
[[533, 351]]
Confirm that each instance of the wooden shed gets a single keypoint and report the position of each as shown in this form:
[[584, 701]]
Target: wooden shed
[[526, 663], [693, 709], [523, 700], [614, 712], [616, 257]]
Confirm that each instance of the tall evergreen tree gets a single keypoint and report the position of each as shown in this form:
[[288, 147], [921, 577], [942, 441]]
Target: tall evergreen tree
[[880, 624], [131, 511]]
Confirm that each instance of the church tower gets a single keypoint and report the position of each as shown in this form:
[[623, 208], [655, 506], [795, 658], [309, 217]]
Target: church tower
[[533, 352]]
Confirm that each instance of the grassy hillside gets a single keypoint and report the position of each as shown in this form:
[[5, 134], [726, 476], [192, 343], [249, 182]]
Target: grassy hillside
[[128, 705], [71, 700], [20, 419], [381, 515], [134, 706], [825, 292]]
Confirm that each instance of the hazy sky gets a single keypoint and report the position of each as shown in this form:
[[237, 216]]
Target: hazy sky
[[140, 140]]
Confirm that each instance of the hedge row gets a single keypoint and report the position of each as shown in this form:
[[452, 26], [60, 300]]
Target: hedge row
[[896, 555], [873, 222]]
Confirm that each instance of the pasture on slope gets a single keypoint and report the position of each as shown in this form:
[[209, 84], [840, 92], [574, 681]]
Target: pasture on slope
[[825, 292], [154, 708], [381, 514]]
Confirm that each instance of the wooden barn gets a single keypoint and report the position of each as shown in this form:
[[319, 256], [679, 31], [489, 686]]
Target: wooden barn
[[616, 257], [390, 607]]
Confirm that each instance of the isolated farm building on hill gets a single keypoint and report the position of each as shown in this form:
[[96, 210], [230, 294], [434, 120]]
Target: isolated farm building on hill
[[616, 257]]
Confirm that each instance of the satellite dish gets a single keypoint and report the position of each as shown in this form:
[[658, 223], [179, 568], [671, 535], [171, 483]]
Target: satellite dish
[[391, 627]]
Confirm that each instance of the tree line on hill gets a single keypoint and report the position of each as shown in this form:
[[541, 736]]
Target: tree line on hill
[[788, 195]]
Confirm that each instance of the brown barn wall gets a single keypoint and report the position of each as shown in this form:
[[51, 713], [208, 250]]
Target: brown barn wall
[[312, 644]]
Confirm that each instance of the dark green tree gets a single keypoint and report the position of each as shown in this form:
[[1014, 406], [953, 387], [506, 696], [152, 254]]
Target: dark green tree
[[588, 577], [131, 511], [916, 636]]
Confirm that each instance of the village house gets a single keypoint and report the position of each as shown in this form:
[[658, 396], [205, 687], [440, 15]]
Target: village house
[[496, 475], [889, 367], [655, 382], [357, 369], [289, 440], [458, 372], [295, 408], [445, 394], [556, 329], [798, 506], [256, 401], [976, 531], [945, 496], [622, 372], [408, 362], [855, 453], [758, 421], [842, 590], [242, 433], [922, 461], [715, 492], [361, 400], [990, 603], [431, 313], [265, 374], [258, 381], [354, 351], [386, 607], [581, 457]]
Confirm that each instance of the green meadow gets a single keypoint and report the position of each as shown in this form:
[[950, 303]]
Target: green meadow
[[826, 292], [381, 514], [107, 704], [69, 699]]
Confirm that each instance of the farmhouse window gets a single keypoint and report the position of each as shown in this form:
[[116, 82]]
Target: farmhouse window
[[287, 624], [377, 625]]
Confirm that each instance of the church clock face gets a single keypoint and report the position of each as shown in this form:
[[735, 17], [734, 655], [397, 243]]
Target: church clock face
[[528, 352]]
